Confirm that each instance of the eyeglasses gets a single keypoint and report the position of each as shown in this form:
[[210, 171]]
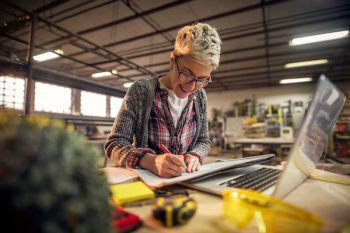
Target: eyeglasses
[[189, 78], [271, 214]]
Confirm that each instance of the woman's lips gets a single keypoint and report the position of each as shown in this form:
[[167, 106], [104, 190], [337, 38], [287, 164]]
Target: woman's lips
[[183, 89]]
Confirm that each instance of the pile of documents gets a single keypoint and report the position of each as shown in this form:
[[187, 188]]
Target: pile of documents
[[256, 130]]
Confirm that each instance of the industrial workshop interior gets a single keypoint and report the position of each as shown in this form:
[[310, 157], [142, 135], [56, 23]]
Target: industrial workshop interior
[[175, 116]]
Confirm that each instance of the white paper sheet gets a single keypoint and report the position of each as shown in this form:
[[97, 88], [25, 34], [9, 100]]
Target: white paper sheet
[[116, 175], [155, 181]]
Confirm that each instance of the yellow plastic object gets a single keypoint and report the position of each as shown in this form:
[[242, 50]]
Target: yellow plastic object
[[271, 214], [129, 192], [174, 211], [250, 120]]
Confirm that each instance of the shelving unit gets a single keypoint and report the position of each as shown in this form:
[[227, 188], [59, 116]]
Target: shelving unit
[[341, 135], [216, 134]]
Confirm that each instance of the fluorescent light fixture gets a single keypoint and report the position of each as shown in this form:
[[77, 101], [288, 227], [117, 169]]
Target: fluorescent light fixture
[[318, 38], [104, 73], [127, 85], [295, 80], [101, 74], [305, 63], [48, 55]]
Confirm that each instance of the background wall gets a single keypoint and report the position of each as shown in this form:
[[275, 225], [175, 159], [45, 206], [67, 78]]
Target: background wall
[[272, 95]]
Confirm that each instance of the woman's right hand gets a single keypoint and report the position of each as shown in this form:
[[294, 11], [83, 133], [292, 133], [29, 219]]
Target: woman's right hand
[[164, 165]]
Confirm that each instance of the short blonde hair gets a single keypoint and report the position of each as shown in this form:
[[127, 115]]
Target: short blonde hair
[[200, 41]]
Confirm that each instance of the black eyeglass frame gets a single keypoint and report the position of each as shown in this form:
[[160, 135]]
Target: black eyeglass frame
[[202, 83]]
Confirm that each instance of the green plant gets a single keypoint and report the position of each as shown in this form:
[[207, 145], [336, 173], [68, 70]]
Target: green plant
[[49, 181]]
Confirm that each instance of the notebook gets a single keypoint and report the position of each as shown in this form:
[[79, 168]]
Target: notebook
[[306, 152], [129, 192], [206, 170]]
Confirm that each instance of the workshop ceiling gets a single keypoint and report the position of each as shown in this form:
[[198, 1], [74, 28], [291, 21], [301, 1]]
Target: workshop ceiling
[[135, 37]]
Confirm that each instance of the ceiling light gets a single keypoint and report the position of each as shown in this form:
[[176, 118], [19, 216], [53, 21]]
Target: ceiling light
[[127, 85], [318, 38], [114, 71], [101, 74], [295, 80], [48, 55], [305, 63]]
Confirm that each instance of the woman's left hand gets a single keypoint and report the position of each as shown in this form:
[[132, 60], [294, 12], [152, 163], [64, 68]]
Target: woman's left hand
[[192, 163]]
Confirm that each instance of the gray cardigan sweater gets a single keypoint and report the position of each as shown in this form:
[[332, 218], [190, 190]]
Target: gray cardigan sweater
[[130, 127]]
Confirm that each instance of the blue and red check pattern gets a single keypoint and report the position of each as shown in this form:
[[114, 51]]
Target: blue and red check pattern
[[129, 139], [162, 130]]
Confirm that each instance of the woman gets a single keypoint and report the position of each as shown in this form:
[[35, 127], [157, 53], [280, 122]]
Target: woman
[[162, 125]]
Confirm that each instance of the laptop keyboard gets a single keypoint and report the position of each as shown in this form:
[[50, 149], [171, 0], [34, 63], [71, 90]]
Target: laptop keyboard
[[258, 180]]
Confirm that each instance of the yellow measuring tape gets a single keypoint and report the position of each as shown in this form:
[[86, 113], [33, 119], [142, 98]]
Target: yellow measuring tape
[[173, 211]]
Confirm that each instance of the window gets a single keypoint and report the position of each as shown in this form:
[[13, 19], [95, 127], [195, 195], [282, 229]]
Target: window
[[52, 98], [93, 104], [12, 92], [116, 103]]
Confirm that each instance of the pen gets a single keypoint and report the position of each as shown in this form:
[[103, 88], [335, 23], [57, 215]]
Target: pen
[[166, 150]]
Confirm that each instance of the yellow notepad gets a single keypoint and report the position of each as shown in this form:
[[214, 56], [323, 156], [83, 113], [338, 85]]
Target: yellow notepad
[[130, 192]]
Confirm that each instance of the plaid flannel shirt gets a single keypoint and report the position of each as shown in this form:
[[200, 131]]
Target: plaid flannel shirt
[[144, 122], [162, 130]]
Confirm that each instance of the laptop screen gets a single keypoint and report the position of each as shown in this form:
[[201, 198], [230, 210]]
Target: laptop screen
[[310, 143]]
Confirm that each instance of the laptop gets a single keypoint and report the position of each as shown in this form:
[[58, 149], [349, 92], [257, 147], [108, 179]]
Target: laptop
[[305, 153]]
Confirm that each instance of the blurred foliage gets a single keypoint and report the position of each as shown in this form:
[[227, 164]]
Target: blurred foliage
[[49, 180]]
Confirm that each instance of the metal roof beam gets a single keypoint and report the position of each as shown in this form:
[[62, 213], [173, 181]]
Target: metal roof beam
[[345, 16], [123, 20], [236, 11], [122, 60]]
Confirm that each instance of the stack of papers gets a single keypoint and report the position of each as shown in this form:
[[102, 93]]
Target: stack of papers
[[117, 175], [208, 169]]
